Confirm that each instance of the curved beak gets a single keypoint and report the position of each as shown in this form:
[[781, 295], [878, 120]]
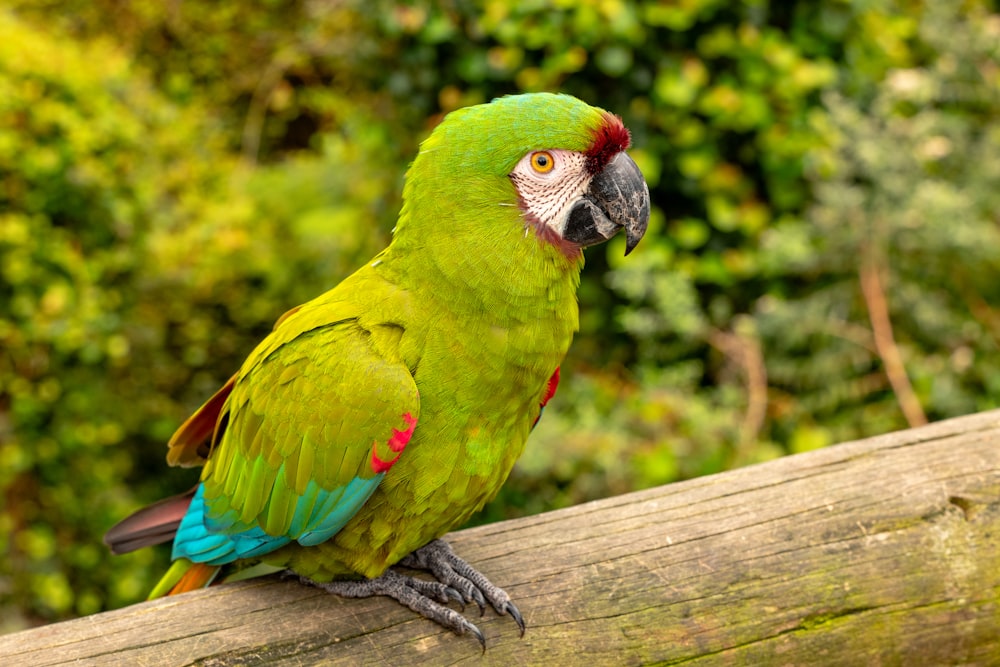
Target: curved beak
[[617, 198]]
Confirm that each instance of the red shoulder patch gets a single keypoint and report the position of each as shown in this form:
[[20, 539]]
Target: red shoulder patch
[[550, 388], [550, 391], [397, 443]]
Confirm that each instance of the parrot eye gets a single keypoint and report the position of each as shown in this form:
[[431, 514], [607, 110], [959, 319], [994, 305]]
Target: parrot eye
[[542, 162]]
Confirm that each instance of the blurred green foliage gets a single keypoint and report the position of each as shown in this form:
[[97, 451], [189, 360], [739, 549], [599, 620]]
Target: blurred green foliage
[[173, 176]]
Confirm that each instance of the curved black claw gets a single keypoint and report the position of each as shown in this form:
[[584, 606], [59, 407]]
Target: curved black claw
[[514, 613], [479, 635]]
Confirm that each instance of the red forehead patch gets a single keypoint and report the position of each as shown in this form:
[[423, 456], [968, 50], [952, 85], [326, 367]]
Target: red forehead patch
[[610, 139]]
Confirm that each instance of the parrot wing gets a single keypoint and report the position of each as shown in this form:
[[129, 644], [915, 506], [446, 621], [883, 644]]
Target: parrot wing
[[305, 433], [189, 446], [191, 443]]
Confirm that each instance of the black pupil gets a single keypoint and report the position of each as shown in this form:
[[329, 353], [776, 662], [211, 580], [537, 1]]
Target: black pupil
[[542, 161]]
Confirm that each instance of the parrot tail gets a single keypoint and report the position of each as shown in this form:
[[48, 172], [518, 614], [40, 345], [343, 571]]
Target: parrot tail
[[151, 525], [184, 576]]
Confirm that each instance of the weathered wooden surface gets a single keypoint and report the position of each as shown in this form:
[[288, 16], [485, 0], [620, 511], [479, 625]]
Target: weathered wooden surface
[[879, 552]]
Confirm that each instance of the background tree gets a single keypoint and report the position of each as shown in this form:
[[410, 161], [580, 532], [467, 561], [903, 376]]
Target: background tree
[[820, 265]]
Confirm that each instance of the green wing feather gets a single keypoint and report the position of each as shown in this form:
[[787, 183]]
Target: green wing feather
[[316, 404]]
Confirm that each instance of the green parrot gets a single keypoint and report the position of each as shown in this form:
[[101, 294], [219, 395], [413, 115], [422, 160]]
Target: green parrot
[[384, 413]]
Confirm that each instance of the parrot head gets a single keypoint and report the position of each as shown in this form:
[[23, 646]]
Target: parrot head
[[539, 164]]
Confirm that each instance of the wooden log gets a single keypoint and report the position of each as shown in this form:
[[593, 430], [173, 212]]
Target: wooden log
[[884, 551]]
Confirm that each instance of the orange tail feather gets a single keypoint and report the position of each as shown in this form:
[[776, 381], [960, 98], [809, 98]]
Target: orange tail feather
[[198, 576]]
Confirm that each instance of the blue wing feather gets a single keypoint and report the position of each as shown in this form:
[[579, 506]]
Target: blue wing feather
[[319, 514], [354, 495]]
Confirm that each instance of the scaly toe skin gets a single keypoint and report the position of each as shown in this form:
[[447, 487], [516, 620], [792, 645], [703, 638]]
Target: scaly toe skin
[[443, 572], [478, 598], [436, 590]]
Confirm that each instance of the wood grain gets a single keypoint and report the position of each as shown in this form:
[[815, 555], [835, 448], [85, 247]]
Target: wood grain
[[884, 551]]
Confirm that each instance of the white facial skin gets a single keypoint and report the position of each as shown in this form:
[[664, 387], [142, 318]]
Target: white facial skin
[[549, 182]]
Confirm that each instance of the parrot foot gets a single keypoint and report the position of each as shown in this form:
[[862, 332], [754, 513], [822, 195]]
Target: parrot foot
[[438, 558], [456, 581], [427, 598]]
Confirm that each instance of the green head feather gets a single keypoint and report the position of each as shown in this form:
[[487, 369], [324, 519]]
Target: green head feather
[[491, 138], [460, 205]]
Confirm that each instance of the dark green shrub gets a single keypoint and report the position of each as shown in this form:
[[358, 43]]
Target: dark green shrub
[[173, 176]]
